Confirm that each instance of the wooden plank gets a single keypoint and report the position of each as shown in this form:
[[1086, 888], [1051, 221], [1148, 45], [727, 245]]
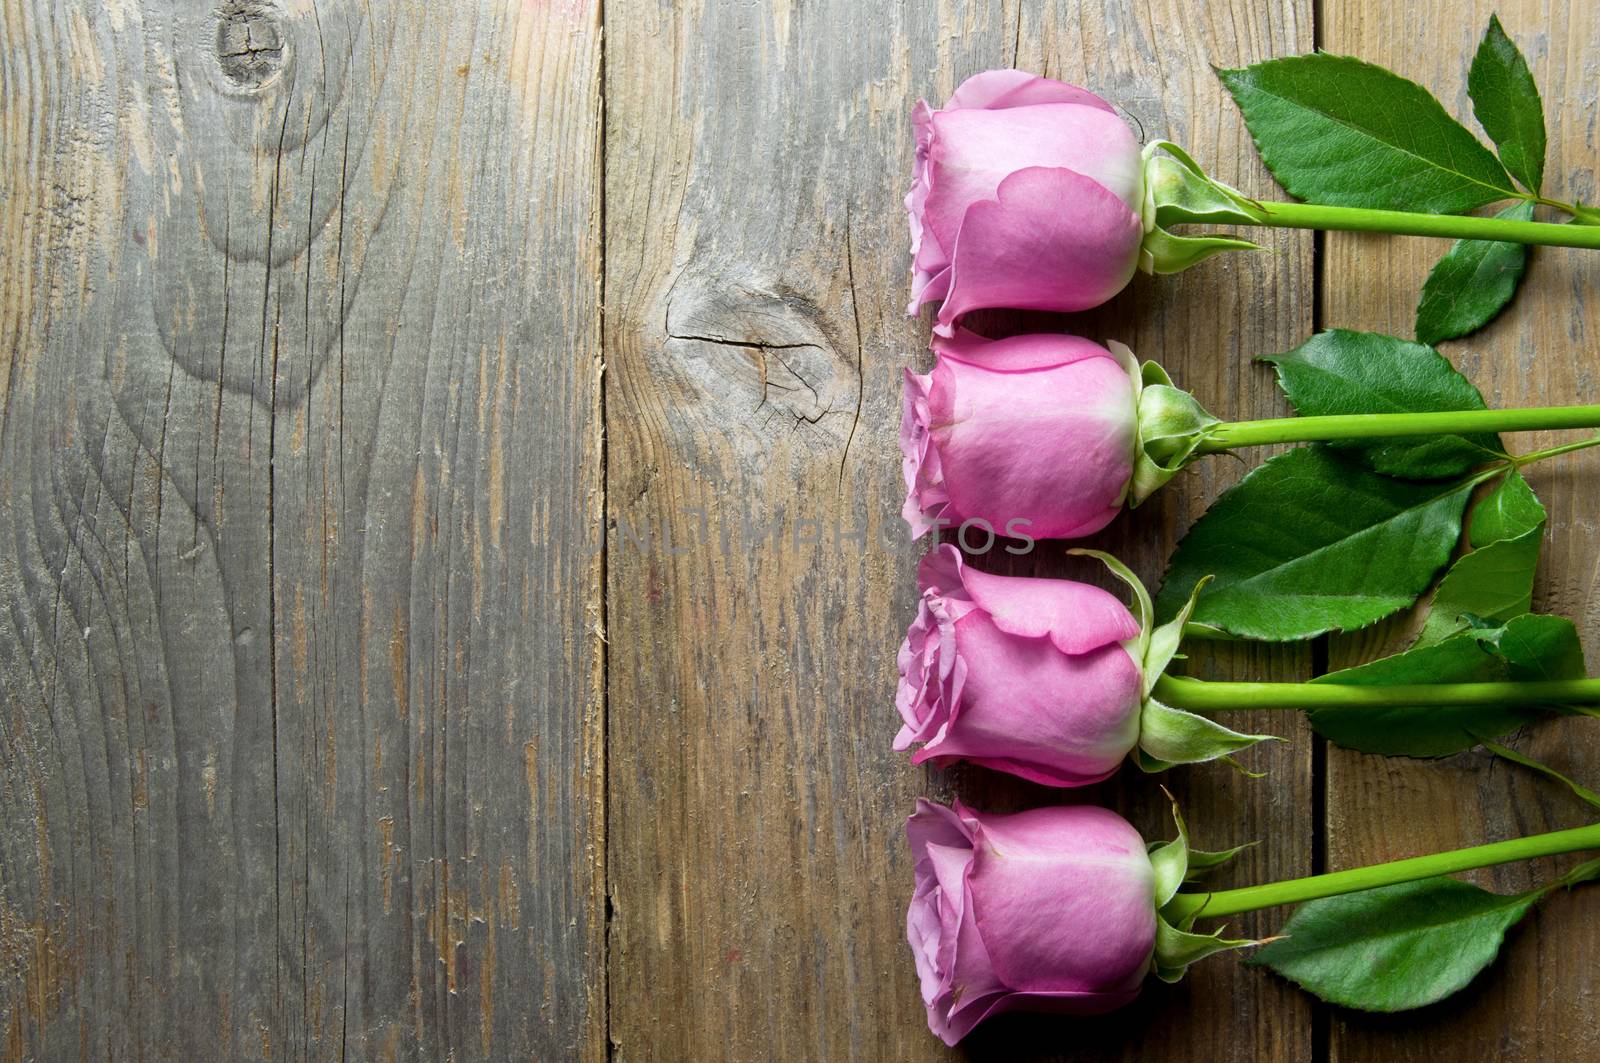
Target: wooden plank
[[756, 270], [300, 478], [1536, 1003]]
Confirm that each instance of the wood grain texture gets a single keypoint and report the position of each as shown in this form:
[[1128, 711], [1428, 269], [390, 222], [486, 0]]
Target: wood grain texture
[[379, 680], [756, 271], [1538, 1002], [300, 481]]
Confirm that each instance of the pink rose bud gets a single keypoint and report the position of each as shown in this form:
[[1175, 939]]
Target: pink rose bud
[[1027, 676], [1032, 436], [1044, 678], [1027, 194], [1049, 910]]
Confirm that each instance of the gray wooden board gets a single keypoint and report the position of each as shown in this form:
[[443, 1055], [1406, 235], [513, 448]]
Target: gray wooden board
[[301, 484]]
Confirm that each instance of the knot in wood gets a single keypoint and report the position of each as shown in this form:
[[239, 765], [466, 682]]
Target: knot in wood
[[250, 42]]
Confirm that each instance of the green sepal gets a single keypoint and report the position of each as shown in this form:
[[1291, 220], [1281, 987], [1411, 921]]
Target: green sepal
[[1162, 253], [1177, 863], [1171, 859], [1169, 736], [1148, 764], [1202, 861], [1177, 736], [1178, 192], [1177, 949], [1162, 644], [1241, 769], [1154, 647], [1144, 612], [1172, 425]]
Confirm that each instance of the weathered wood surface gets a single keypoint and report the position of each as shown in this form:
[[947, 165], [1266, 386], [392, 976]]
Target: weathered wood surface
[[299, 492], [756, 277], [380, 681], [1540, 999]]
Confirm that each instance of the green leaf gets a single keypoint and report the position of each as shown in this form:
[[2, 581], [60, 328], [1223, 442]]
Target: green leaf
[[1494, 582], [1538, 647], [1341, 371], [1581, 792], [1395, 947], [1411, 731], [1510, 510], [1472, 283], [1311, 542], [1588, 871], [1507, 104], [1339, 131], [1527, 648]]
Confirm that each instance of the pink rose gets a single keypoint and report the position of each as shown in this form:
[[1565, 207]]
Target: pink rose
[[1048, 910], [1027, 193], [1031, 435], [1027, 676]]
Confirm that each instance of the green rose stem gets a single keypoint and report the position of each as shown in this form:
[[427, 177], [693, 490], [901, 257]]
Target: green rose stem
[[1288, 215], [1295, 891], [1229, 435], [1178, 192], [1203, 695]]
